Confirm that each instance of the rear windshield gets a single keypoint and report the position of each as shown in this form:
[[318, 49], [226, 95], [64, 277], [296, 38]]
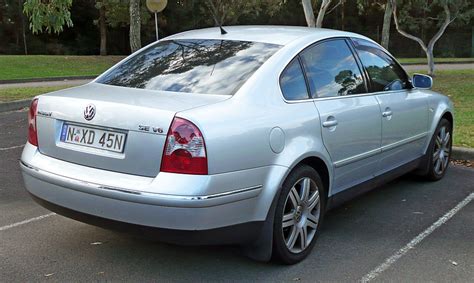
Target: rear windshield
[[192, 66]]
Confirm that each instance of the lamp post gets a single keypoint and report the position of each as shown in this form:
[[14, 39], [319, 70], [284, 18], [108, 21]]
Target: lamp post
[[156, 6]]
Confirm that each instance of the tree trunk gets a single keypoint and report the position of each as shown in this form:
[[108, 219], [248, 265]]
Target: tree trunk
[[23, 28], [322, 12], [103, 31], [135, 41], [343, 15], [387, 20], [431, 64], [308, 13]]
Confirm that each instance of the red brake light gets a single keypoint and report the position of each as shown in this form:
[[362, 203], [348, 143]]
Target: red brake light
[[185, 150], [32, 133]]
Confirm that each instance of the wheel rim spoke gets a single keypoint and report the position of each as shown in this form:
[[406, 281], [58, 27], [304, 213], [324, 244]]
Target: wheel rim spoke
[[305, 188], [313, 201], [446, 139], [288, 220], [442, 133], [294, 197], [312, 221], [438, 166], [304, 237], [438, 141], [293, 237]]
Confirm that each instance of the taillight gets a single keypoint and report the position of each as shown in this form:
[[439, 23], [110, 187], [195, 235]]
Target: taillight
[[185, 151], [32, 133]]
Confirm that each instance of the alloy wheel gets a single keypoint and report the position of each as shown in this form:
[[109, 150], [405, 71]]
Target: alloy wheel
[[441, 150], [301, 215]]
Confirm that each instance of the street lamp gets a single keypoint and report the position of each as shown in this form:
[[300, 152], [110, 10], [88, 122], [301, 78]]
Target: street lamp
[[156, 6]]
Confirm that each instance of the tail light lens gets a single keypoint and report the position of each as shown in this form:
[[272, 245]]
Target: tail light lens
[[32, 133], [185, 150]]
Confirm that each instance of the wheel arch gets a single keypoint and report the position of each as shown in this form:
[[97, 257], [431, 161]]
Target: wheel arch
[[318, 163]]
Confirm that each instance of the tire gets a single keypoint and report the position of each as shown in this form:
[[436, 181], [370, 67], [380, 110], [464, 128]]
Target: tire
[[298, 219], [439, 151]]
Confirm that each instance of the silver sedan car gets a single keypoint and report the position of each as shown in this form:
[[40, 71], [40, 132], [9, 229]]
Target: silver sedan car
[[246, 137]]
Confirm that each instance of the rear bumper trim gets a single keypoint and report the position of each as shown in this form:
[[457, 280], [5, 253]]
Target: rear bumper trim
[[234, 234], [141, 197]]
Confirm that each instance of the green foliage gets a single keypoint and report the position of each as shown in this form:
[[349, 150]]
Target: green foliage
[[117, 12], [50, 15], [419, 15]]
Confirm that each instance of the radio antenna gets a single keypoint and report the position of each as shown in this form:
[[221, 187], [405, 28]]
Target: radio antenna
[[214, 15]]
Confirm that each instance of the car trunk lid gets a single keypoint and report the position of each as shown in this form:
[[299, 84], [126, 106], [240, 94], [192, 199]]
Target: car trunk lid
[[133, 121]]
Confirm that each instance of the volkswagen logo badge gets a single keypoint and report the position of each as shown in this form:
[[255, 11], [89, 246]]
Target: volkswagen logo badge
[[89, 112]]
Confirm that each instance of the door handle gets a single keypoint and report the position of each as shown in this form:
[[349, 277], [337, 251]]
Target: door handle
[[329, 124], [387, 113]]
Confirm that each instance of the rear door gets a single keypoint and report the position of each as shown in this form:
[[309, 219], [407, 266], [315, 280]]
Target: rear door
[[404, 110], [350, 118]]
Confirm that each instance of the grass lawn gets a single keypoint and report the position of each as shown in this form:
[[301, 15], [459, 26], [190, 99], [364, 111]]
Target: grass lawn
[[437, 60], [46, 66], [459, 86], [17, 93]]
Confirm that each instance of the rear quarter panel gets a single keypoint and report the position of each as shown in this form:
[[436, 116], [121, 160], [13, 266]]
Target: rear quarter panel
[[237, 131]]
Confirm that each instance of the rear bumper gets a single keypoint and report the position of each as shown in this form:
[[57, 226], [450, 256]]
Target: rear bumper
[[133, 203], [234, 234]]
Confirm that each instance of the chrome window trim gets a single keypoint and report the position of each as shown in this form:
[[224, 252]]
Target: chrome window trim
[[345, 96]]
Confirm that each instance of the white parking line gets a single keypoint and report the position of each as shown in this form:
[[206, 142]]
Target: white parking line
[[26, 221], [11, 147], [391, 260]]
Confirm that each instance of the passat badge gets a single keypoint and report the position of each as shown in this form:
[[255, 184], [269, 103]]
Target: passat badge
[[89, 112]]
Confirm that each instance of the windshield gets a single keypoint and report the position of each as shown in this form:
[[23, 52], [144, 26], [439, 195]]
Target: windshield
[[192, 66]]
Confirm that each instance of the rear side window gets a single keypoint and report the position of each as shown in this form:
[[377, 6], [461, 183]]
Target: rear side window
[[192, 66], [292, 82], [384, 72], [332, 70]]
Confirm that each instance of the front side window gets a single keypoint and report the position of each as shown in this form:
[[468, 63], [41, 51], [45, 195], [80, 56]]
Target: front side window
[[385, 74], [292, 82], [332, 70], [193, 66]]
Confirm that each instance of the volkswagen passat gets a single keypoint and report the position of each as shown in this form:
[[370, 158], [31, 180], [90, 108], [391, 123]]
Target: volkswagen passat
[[241, 138]]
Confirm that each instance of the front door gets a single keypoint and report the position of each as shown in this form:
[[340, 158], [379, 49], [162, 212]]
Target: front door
[[404, 110]]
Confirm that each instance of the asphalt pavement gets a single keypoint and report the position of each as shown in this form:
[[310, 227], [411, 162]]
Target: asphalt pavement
[[356, 242]]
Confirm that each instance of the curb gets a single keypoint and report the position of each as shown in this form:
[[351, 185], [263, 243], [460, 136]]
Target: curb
[[462, 153], [50, 79], [447, 63], [14, 105]]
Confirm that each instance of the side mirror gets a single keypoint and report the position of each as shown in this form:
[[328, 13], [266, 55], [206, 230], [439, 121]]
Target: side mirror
[[422, 81]]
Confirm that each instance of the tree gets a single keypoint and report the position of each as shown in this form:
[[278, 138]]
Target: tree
[[385, 5], [102, 27], [387, 21], [51, 15], [414, 15], [135, 25], [323, 10]]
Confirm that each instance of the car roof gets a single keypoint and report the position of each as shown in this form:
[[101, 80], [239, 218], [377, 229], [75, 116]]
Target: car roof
[[281, 35]]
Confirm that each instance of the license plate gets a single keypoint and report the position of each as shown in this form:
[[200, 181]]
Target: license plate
[[93, 137]]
